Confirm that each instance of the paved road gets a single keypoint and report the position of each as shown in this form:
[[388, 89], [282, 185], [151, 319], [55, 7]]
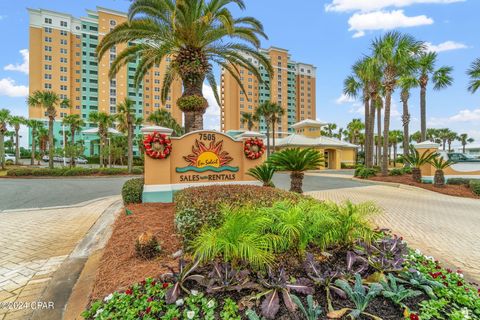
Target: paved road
[[321, 181], [40, 193]]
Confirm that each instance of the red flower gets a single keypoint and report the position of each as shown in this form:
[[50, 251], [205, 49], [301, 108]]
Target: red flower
[[449, 270], [445, 284], [165, 285], [129, 292], [459, 271], [459, 283], [150, 299], [438, 267], [154, 283], [478, 291], [414, 316], [143, 282], [147, 311], [467, 289]]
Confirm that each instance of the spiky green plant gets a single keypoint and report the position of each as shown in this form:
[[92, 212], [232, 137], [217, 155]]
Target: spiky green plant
[[313, 309], [395, 292], [416, 160], [263, 173], [439, 164], [297, 161]]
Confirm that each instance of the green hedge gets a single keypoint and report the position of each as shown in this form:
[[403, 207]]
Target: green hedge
[[132, 191], [199, 206], [460, 181], [364, 172], [475, 186], [396, 172], [78, 171]]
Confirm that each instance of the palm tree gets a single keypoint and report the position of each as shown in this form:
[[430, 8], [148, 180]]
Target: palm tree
[[354, 128], [249, 119], [47, 100], [395, 137], [416, 136], [42, 140], [4, 119], [443, 135], [439, 164], [74, 122], [35, 126], [415, 160], [163, 118], [265, 110], [277, 114], [16, 122], [395, 53], [103, 121], [263, 173], [297, 161], [194, 34], [441, 79], [452, 136], [339, 135], [464, 139], [126, 117], [474, 74], [406, 82], [329, 128]]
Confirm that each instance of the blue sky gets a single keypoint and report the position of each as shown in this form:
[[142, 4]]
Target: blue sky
[[329, 34]]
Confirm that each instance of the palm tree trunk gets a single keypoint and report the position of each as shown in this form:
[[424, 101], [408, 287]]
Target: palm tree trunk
[[130, 144], [2, 150], [17, 147], [370, 133], [417, 174], [72, 158], [51, 147], [405, 123], [273, 133], [366, 149], [100, 147], [194, 118], [296, 182], [268, 138], [463, 147], [439, 178], [379, 134], [423, 112], [386, 129], [32, 158]]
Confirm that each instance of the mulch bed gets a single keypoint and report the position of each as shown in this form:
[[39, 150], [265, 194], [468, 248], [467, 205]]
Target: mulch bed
[[120, 267], [451, 190]]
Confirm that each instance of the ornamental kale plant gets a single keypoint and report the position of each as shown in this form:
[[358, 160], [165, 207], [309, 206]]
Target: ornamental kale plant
[[385, 255], [277, 284], [179, 278], [312, 310], [397, 293], [420, 281], [224, 277]]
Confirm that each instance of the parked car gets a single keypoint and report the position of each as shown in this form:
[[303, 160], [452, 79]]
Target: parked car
[[81, 160], [460, 157], [9, 158], [45, 158]]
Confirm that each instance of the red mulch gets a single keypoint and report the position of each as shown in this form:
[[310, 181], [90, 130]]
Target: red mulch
[[119, 267], [451, 190]]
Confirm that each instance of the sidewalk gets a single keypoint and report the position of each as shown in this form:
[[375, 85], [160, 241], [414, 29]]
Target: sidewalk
[[33, 245]]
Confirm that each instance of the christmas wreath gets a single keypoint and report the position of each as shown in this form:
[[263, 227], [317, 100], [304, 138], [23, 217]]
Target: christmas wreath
[[157, 145], [254, 148]]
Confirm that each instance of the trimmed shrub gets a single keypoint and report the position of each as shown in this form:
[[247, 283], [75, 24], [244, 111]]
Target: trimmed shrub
[[407, 170], [459, 181], [475, 186], [77, 171], [365, 173], [199, 206], [396, 172], [132, 191], [348, 165]]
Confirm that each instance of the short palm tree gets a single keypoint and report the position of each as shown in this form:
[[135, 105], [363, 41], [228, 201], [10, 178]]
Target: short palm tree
[[126, 118], [194, 34], [329, 128], [407, 82], [415, 160], [249, 119], [354, 129], [474, 74], [265, 111], [297, 161], [441, 79], [75, 123], [16, 122], [276, 118], [47, 100], [103, 121], [4, 118], [35, 126], [439, 164], [464, 139], [163, 118], [42, 140], [263, 173]]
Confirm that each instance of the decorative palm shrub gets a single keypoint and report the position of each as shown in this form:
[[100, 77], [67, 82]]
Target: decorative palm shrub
[[439, 164], [297, 161], [147, 246], [475, 186], [263, 173], [416, 161]]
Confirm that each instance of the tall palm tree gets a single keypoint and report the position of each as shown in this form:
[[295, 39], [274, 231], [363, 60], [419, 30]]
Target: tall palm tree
[[74, 122], [443, 134], [339, 135], [441, 79], [47, 100], [464, 139], [4, 119], [395, 137], [406, 82], [103, 121], [249, 119], [354, 128], [35, 126], [194, 34], [163, 118], [277, 114], [16, 122], [42, 140], [126, 117], [329, 128], [395, 53], [452, 136], [474, 74], [266, 110]]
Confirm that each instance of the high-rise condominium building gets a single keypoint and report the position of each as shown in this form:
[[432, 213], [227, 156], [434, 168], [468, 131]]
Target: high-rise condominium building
[[63, 59], [292, 85]]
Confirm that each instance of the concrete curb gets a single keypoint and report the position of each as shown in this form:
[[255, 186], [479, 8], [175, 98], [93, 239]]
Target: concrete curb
[[65, 278]]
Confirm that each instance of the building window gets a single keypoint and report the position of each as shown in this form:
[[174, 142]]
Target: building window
[[63, 88], [48, 20], [63, 69], [48, 76], [63, 60], [48, 58], [48, 86], [63, 24], [48, 39], [47, 30], [63, 42], [63, 78], [113, 23], [48, 48], [48, 67], [63, 51], [63, 33]]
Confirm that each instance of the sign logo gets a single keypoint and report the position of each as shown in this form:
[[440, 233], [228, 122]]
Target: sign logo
[[207, 158]]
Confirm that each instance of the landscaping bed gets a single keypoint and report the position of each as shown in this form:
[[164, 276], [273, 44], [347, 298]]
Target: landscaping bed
[[69, 172], [448, 189], [261, 253]]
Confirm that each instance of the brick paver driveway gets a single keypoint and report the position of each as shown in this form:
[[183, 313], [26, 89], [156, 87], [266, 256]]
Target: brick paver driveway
[[445, 227], [33, 245]]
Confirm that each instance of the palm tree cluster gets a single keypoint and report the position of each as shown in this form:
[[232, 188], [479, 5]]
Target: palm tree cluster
[[445, 137], [397, 61]]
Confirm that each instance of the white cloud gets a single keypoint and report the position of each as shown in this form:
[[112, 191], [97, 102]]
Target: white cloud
[[212, 115], [359, 108], [463, 116], [344, 99], [20, 67], [384, 20], [2, 17], [373, 5], [10, 89], [446, 46]]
